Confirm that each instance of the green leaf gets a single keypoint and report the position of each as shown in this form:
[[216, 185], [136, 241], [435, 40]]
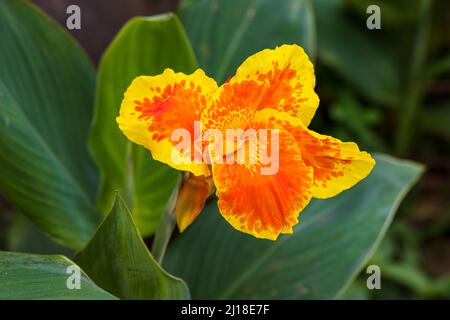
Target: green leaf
[[225, 32], [333, 240], [401, 263], [118, 260], [357, 54], [23, 236], [394, 14], [144, 46], [46, 96], [29, 276]]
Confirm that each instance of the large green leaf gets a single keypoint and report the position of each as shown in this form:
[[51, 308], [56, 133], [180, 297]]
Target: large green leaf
[[357, 54], [225, 32], [145, 46], [334, 238], [117, 259], [46, 97], [23, 236], [29, 276]]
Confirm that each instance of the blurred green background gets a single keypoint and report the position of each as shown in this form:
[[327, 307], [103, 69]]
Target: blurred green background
[[388, 90]]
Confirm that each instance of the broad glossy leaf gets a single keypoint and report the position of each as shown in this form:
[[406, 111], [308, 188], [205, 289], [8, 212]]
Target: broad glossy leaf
[[357, 54], [118, 260], [144, 46], [225, 32], [24, 236], [46, 97], [30, 276], [331, 243]]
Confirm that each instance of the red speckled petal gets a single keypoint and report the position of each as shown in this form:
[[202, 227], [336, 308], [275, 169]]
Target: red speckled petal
[[155, 107], [337, 165], [265, 205], [290, 77]]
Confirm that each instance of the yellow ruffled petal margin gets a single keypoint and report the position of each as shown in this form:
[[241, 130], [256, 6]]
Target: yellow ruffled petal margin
[[265, 205], [155, 106], [291, 79], [337, 165]]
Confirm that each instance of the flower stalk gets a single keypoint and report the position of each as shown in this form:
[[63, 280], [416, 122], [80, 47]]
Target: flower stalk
[[166, 224]]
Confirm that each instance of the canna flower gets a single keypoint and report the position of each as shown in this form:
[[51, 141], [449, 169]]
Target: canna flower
[[271, 90]]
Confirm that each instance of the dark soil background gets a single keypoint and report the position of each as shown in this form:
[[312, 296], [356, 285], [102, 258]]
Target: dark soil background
[[102, 19]]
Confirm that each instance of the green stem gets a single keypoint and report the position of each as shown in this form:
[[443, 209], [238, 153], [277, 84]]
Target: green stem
[[416, 86], [166, 225]]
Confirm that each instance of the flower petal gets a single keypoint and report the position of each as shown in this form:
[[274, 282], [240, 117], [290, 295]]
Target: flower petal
[[230, 113], [264, 205], [337, 165], [291, 79], [155, 106], [191, 200], [234, 105]]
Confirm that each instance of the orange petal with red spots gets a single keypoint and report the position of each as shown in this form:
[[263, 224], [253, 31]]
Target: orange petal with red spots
[[192, 199], [291, 79], [230, 113], [234, 105], [337, 165], [160, 112], [264, 205]]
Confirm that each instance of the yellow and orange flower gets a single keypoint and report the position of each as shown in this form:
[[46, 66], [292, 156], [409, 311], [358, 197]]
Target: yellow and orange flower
[[273, 89]]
